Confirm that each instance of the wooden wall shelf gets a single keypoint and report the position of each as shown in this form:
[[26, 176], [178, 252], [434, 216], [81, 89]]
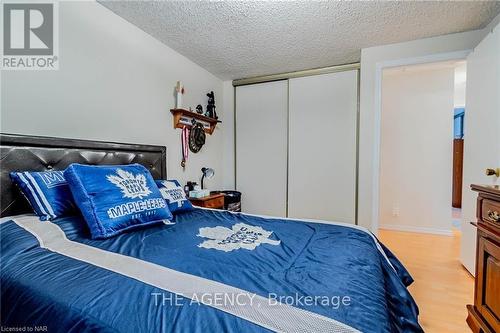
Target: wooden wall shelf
[[185, 118]]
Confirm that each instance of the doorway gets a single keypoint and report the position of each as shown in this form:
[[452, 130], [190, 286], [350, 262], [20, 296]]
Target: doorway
[[420, 159], [458, 143], [422, 119]]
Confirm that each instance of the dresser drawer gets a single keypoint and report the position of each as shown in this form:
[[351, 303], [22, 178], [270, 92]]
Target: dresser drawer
[[212, 201], [215, 203], [490, 211]]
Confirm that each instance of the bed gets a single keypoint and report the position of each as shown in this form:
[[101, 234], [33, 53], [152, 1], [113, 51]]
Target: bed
[[212, 271]]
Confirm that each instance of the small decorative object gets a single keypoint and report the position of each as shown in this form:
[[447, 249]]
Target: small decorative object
[[196, 137], [199, 109], [190, 186], [208, 173], [184, 141], [179, 91], [211, 106], [182, 117]]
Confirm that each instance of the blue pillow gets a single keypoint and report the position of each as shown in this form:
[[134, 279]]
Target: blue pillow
[[47, 192], [174, 194], [116, 198]]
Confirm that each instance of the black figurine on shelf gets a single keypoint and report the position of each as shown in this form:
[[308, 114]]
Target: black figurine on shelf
[[211, 106], [199, 109]]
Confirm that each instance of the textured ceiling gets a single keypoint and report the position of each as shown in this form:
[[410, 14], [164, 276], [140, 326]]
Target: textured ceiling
[[240, 39]]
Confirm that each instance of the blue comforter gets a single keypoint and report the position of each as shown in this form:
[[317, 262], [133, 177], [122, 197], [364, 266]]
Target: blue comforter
[[350, 277]]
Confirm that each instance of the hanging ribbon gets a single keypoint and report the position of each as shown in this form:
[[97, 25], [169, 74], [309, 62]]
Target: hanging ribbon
[[185, 145]]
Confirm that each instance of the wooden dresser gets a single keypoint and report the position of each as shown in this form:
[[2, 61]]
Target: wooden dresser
[[484, 315], [211, 201]]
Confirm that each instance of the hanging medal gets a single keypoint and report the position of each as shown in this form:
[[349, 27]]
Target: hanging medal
[[185, 145]]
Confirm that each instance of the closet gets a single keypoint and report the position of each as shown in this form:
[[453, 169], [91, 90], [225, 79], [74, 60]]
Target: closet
[[261, 147], [296, 146]]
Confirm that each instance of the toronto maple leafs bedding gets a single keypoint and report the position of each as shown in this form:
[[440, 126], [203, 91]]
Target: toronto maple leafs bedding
[[174, 195], [114, 199], [211, 271], [47, 192]]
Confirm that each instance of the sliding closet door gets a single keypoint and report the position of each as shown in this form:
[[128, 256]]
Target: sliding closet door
[[322, 147], [261, 147]]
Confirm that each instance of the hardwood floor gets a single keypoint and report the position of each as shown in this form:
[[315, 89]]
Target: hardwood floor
[[442, 285]]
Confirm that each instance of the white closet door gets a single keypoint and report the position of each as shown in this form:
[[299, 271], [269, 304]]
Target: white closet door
[[322, 147], [261, 147]]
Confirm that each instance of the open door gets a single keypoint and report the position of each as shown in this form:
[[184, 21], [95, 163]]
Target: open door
[[482, 128]]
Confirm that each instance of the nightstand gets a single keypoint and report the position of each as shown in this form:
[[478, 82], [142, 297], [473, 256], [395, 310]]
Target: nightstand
[[211, 201]]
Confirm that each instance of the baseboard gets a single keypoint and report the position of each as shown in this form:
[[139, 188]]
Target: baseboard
[[424, 230]]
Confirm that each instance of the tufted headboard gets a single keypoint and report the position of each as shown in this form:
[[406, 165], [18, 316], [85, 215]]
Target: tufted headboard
[[37, 153]]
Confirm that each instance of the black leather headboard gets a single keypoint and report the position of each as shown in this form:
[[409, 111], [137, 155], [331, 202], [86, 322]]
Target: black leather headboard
[[36, 153]]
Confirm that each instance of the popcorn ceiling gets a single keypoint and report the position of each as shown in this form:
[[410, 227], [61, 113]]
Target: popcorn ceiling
[[243, 39]]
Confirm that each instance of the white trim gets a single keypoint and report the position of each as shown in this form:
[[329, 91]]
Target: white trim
[[277, 317], [406, 228], [379, 67], [13, 217]]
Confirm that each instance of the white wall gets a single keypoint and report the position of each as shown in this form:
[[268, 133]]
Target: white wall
[[372, 60], [114, 82], [460, 85], [416, 149]]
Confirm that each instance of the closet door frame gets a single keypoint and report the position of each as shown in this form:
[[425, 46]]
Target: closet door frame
[[287, 77]]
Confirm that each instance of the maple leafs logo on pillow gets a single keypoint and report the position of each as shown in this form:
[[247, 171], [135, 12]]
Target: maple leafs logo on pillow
[[131, 186]]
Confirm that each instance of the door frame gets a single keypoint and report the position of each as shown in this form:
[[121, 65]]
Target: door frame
[[379, 67]]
